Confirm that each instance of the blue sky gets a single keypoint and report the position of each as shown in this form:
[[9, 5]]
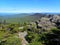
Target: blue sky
[[29, 6]]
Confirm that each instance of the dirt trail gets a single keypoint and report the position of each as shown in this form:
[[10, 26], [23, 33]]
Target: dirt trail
[[22, 36]]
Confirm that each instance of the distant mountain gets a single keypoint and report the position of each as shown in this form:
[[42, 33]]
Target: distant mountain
[[22, 17], [12, 17]]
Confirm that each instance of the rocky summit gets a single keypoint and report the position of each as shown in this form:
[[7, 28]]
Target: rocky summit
[[47, 22]]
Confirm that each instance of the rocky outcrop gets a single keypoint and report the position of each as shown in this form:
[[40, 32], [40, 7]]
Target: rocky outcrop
[[47, 22]]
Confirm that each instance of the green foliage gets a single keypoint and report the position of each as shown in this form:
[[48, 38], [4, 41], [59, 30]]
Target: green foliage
[[13, 41], [2, 34], [51, 38], [8, 35], [9, 39], [36, 43]]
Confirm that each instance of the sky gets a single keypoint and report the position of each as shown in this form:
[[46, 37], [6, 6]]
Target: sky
[[29, 6]]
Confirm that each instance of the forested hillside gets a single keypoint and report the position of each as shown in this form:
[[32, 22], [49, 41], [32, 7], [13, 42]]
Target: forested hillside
[[21, 18]]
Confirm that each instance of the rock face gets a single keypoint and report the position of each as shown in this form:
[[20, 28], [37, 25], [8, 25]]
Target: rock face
[[55, 18], [47, 22]]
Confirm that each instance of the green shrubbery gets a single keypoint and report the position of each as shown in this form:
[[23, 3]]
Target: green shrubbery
[[8, 35], [51, 37]]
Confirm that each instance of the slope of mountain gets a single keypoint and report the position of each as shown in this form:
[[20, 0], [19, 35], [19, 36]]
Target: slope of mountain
[[22, 17], [12, 17]]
